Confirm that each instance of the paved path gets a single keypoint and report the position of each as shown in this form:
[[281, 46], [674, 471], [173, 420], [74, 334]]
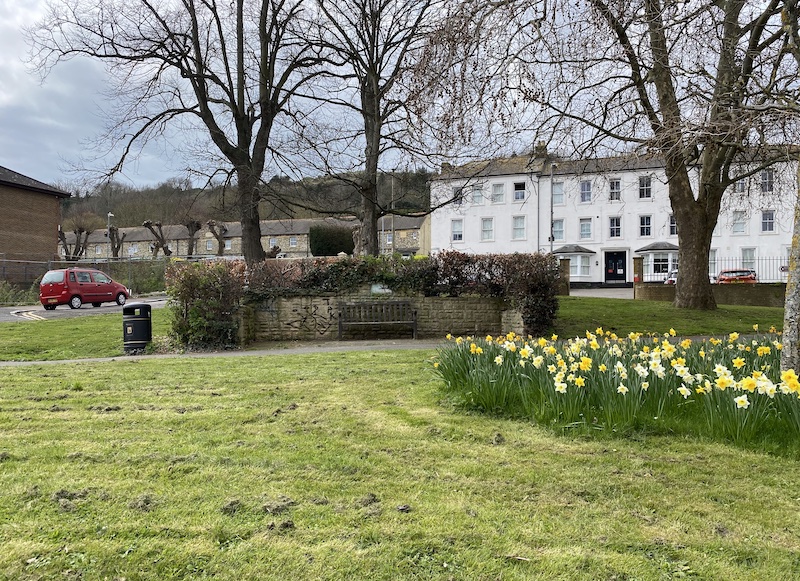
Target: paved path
[[606, 293], [264, 350]]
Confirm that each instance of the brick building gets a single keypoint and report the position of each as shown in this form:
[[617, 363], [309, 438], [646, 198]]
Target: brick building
[[30, 218]]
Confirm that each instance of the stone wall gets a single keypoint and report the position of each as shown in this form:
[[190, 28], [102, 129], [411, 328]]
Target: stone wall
[[316, 318]]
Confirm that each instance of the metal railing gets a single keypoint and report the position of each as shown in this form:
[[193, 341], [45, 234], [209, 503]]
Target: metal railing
[[768, 268]]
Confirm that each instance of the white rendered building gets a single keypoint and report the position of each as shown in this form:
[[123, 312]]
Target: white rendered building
[[600, 213]]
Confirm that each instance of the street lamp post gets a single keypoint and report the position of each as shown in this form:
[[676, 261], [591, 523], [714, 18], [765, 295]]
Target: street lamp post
[[108, 234]]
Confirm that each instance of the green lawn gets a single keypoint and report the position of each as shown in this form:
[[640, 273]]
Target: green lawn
[[351, 466], [101, 335]]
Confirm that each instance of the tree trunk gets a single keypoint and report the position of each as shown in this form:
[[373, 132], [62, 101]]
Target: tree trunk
[[249, 197], [790, 355]]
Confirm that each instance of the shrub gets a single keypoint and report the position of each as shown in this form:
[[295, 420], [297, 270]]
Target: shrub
[[203, 298], [12, 295]]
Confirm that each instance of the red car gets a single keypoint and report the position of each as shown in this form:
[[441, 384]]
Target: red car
[[737, 275], [75, 286]]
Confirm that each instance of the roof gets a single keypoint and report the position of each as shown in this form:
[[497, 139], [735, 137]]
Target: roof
[[573, 249], [543, 165], [179, 232], [17, 180], [401, 222], [657, 246]]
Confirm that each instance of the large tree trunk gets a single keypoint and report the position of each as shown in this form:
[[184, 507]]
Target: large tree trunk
[[249, 197], [790, 355]]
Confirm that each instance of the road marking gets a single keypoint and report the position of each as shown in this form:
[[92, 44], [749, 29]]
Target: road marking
[[29, 315]]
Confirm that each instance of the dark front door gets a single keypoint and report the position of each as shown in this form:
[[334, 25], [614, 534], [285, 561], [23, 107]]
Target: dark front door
[[615, 266]]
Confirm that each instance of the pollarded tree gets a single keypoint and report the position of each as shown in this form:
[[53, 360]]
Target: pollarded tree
[[694, 82], [222, 71]]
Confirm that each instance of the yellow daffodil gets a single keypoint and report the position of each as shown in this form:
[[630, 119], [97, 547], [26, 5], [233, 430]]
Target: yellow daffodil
[[686, 343], [554, 338], [580, 381], [525, 352], [738, 363], [748, 384], [755, 327], [763, 350], [684, 391], [602, 367], [672, 332], [498, 360]]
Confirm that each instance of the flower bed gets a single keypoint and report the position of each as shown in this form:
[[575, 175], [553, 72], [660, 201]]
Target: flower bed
[[729, 388]]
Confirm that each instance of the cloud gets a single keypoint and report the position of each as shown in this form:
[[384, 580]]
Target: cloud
[[46, 128]]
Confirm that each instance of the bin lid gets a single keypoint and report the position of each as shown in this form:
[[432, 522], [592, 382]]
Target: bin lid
[[132, 308]]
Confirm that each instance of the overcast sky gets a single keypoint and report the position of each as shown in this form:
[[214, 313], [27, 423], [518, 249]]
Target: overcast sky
[[45, 127]]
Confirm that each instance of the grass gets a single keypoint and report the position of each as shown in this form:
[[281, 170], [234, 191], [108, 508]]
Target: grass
[[350, 466], [101, 335], [82, 337], [576, 315]]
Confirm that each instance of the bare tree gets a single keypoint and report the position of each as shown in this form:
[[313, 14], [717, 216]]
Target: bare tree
[[160, 242], [81, 224], [218, 230], [371, 45], [228, 70], [790, 354], [115, 240], [692, 82]]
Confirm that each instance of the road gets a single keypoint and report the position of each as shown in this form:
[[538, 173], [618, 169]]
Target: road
[[38, 313]]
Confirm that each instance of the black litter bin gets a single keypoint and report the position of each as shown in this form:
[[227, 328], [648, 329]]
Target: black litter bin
[[137, 327]]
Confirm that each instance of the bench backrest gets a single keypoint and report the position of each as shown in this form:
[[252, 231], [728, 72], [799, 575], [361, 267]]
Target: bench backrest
[[377, 311]]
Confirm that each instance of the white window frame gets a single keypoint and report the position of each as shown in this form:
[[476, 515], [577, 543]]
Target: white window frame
[[498, 194], [292, 241], [558, 193], [768, 221], [740, 186], [579, 264], [645, 226], [748, 257], [98, 249], [133, 249], [615, 193], [458, 195], [518, 232], [228, 245], [673, 225], [739, 222], [273, 242], [457, 230], [615, 229], [662, 262], [519, 191], [712, 262], [476, 196], [586, 192], [645, 187], [585, 233], [558, 230], [209, 244], [487, 229], [767, 180]]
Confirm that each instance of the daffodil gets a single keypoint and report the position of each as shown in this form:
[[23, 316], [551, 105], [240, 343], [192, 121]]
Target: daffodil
[[733, 337], [645, 386], [622, 389], [498, 360], [763, 350], [684, 391], [742, 402], [580, 381], [738, 363]]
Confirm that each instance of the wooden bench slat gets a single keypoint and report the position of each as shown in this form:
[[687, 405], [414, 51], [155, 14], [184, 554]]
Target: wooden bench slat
[[376, 313]]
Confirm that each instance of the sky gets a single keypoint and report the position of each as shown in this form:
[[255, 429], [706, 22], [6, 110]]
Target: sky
[[45, 127]]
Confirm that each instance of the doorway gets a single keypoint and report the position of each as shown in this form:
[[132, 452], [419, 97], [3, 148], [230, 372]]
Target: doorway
[[615, 267]]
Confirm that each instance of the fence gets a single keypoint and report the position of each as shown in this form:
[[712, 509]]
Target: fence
[[139, 275], [768, 268], [22, 273]]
